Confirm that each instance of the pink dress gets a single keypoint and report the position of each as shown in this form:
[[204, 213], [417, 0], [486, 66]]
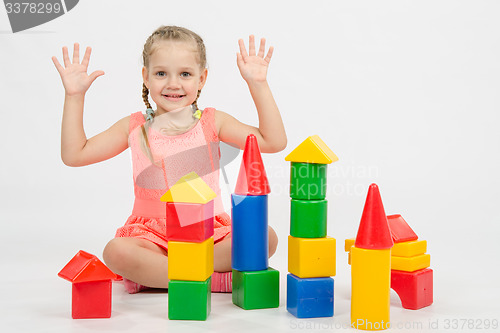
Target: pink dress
[[175, 156]]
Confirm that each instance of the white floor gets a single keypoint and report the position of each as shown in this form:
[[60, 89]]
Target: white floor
[[34, 299]]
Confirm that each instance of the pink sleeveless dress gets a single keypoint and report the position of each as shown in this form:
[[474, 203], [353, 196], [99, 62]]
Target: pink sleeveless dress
[[175, 156]]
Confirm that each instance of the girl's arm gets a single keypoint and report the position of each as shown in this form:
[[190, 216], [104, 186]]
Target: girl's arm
[[76, 149], [271, 132]]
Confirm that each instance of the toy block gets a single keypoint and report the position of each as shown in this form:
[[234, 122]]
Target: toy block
[[309, 298], [91, 289], [252, 178], [415, 289], [189, 189], [189, 222], [311, 257], [400, 230], [86, 267], [312, 150], [308, 181], [409, 249], [190, 261], [348, 244], [91, 300], [249, 233], [411, 264], [308, 218], [373, 232], [189, 300], [257, 289], [370, 288]]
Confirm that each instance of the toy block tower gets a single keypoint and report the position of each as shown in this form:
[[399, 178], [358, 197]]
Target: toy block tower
[[371, 267], [410, 276], [91, 286], [311, 254], [255, 284], [190, 227]]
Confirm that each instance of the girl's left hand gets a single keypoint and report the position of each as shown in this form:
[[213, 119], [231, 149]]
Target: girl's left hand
[[253, 66]]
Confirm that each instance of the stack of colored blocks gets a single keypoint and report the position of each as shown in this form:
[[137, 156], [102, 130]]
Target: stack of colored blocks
[[255, 284], [311, 254], [411, 277], [190, 228]]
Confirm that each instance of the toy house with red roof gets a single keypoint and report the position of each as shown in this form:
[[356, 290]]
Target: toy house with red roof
[[91, 290]]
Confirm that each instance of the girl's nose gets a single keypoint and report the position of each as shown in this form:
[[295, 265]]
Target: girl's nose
[[173, 82]]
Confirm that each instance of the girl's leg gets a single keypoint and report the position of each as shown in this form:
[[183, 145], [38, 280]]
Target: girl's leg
[[138, 260]]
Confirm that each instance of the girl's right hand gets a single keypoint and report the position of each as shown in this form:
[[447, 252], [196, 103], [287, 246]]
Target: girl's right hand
[[74, 75]]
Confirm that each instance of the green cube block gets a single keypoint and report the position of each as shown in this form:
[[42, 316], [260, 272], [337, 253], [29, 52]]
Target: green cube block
[[308, 181], [308, 218], [189, 300], [257, 289]]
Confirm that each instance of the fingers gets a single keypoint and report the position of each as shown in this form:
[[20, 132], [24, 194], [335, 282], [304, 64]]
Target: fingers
[[76, 53], [66, 60], [269, 54], [262, 47], [95, 75], [243, 50], [57, 64], [86, 57], [251, 45], [252, 50]]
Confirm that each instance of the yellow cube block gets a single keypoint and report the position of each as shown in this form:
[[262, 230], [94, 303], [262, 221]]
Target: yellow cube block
[[190, 261], [409, 249], [410, 264], [311, 257]]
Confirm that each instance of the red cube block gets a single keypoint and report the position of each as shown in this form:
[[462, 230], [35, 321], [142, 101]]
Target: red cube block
[[91, 300], [190, 222], [414, 288]]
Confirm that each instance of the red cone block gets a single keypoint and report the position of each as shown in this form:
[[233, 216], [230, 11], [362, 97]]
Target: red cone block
[[373, 232], [252, 179]]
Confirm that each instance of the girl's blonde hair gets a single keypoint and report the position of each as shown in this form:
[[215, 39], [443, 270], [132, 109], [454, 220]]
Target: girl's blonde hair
[[172, 33]]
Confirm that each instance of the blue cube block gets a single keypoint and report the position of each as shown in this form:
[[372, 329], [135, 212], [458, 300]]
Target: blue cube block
[[309, 298], [249, 233]]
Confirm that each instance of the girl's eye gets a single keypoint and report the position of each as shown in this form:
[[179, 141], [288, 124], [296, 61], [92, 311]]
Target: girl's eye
[[160, 74], [185, 74]]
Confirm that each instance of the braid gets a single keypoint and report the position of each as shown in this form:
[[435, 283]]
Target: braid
[[195, 103], [145, 94]]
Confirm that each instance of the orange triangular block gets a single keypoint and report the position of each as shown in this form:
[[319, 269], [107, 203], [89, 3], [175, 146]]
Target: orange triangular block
[[312, 150], [373, 232], [252, 179], [86, 267], [189, 189]]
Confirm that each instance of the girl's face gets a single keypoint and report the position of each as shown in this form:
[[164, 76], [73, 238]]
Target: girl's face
[[174, 75]]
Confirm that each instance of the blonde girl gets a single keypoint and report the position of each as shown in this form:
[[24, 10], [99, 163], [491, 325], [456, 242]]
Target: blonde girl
[[167, 143]]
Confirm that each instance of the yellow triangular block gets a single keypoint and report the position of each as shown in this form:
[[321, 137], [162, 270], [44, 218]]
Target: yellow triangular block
[[189, 189], [312, 150]]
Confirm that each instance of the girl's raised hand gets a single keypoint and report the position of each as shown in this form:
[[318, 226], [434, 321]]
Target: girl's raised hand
[[253, 66], [74, 74]]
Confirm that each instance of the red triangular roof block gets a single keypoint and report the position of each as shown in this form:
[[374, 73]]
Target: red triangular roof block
[[400, 230], [252, 179], [373, 232], [86, 267]]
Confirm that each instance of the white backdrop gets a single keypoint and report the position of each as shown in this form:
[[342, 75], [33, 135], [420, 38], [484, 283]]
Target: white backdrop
[[406, 93]]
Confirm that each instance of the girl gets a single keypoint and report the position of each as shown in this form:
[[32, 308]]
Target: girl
[[167, 143]]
